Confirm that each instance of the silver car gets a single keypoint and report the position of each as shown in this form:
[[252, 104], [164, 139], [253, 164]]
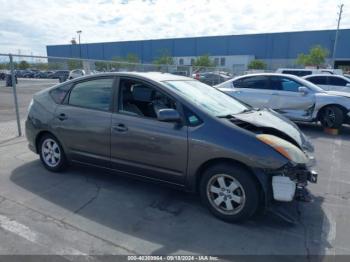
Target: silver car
[[292, 96], [330, 82], [175, 130]]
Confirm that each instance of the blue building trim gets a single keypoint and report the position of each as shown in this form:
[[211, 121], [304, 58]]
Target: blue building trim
[[263, 46]]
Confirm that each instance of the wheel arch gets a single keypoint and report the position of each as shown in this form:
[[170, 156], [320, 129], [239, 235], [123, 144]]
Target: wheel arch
[[345, 111], [260, 180]]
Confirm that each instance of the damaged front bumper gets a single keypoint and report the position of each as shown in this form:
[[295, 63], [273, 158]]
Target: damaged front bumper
[[291, 182]]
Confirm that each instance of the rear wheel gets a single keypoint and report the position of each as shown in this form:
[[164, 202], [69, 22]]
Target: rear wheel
[[332, 117], [230, 192], [51, 153]]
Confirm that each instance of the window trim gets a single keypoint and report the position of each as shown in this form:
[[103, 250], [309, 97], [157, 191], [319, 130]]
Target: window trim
[[115, 109], [66, 99]]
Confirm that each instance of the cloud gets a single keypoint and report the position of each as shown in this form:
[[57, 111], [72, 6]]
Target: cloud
[[29, 26]]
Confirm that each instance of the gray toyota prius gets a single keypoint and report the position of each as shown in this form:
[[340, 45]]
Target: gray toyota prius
[[175, 130]]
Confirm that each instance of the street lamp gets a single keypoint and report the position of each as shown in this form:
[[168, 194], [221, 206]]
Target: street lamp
[[79, 33]]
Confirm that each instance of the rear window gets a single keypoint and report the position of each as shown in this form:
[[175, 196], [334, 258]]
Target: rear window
[[58, 94]]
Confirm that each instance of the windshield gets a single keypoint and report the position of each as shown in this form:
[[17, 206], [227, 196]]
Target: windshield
[[207, 98]]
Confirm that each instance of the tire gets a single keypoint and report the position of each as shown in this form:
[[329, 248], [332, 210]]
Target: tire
[[217, 195], [332, 117], [51, 154]]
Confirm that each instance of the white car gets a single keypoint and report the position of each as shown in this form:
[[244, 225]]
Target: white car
[[330, 82], [76, 73], [307, 71]]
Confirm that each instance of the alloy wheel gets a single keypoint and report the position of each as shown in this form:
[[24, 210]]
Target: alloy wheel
[[51, 153], [226, 194]]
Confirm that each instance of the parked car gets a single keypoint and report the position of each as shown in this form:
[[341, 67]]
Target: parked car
[[62, 75], [2, 74], [76, 73], [175, 130], [212, 78], [292, 96], [330, 82], [305, 72]]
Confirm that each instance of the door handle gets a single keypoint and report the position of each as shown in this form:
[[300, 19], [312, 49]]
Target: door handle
[[62, 117], [120, 128]]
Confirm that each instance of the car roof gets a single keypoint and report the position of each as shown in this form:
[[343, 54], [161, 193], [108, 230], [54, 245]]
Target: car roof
[[155, 76], [266, 74], [323, 75]]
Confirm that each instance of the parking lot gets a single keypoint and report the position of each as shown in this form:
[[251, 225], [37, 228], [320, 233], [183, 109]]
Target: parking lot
[[89, 211]]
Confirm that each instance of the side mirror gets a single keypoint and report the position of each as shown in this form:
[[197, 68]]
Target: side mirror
[[168, 115], [303, 90]]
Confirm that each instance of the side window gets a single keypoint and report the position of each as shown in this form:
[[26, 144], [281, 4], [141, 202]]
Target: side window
[[140, 99], [254, 82], [318, 80], [336, 81], [94, 94], [284, 84], [59, 93]]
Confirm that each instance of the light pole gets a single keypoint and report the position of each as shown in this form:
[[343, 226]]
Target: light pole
[[336, 34], [79, 33]]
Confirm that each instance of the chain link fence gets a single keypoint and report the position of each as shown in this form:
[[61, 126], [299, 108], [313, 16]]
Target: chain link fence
[[22, 76]]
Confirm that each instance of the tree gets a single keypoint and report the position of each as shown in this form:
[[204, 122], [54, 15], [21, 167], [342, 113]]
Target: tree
[[164, 58], [316, 57], [257, 64], [132, 58], [23, 65], [74, 64], [203, 61]]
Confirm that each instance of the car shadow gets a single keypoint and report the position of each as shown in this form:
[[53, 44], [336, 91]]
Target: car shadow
[[172, 220]]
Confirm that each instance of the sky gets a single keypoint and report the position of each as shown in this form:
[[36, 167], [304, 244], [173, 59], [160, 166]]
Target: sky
[[27, 26]]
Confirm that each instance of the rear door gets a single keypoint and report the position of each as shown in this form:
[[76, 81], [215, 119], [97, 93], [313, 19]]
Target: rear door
[[140, 144], [288, 101], [83, 122], [253, 90]]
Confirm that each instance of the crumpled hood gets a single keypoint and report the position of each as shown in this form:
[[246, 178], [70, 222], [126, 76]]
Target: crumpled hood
[[270, 119]]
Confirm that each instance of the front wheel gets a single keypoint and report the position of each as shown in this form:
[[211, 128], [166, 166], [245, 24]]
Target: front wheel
[[332, 117], [51, 153], [230, 192]]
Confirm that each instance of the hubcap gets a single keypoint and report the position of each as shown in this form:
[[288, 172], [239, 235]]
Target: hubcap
[[329, 117], [225, 194], [51, 153]]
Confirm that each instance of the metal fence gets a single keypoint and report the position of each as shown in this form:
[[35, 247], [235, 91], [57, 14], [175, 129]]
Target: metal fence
[[21, 76]]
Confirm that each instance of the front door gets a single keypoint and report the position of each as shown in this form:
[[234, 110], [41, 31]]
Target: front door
[[288, 101], [142, 145]]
